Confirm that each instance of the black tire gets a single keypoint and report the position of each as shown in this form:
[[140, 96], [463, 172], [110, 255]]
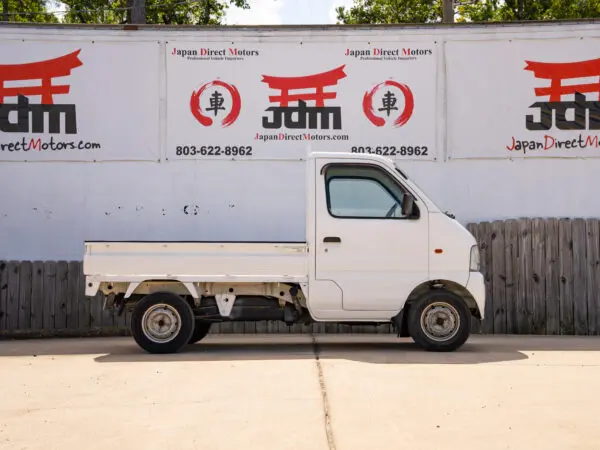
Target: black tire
[[172, 310], [452, 311], [201, 329]]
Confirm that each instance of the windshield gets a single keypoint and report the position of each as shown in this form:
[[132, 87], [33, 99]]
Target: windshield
[[415, 185]]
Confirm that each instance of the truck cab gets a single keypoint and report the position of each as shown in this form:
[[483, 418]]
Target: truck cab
[[377, 250]]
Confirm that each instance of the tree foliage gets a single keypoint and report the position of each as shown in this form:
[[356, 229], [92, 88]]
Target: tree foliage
[[177, 12], [428, 11], [390, 11], [27, 11], [170, 12]]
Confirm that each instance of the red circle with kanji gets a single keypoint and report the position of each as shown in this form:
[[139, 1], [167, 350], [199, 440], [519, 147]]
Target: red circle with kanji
[[199, 113], [409, 104]]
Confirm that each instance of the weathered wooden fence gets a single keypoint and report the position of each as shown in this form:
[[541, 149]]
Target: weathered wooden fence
[[542, 277]]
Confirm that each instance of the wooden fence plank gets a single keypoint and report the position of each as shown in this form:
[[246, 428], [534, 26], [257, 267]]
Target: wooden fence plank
[[226, 328], [283, 328], [525, 277], [538, 280], [297, 328], [25, 286], [37, 295], [107, 319], [96, 304], [121, 321], [127, 314], [382, 329], [3, 294], [552, 277], [498, 272], [593, 275], [580, 311], [12, 304], [307, 329], [565, 253], [319, 328], [83, 303], [510, 259], [332, 328], [249, 327], [487, 327], [49, 295], [61, 289], [345, 329], [478, 231], [261, 326], [238, 327], [272, 327], [73, 270]]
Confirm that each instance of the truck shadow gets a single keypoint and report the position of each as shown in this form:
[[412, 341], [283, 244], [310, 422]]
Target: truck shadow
[[366, 352], [376, 349]]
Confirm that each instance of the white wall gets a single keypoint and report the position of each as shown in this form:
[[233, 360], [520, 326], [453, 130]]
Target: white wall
[[49, 209]]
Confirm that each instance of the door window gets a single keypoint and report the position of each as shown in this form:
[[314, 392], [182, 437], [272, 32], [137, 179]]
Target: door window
[[362, 192]]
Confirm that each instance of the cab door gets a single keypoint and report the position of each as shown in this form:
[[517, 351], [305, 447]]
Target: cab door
[[365, 241]]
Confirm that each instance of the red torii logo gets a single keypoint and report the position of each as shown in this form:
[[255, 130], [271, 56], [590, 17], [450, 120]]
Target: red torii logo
[[44, 71], [318, 82], [556, 73]]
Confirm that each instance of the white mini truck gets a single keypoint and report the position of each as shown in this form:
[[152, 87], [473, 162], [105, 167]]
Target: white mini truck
[[377, 251]]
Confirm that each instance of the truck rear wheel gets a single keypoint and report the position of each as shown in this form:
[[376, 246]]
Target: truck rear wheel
[[162, 323], [439, 321], [201, 329]]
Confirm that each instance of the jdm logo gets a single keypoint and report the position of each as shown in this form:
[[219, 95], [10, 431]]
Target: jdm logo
[[45, 72], [307, 116], [389, 106], [213, 103], [554, 111]]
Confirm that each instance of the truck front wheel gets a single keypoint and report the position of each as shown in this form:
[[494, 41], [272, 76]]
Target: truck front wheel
[[439, 321], [162, 323]]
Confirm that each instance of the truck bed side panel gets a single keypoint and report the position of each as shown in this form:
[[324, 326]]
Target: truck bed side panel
[[193, 261]]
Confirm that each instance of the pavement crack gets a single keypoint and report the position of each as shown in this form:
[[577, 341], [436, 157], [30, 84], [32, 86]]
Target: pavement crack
[[324, 398]]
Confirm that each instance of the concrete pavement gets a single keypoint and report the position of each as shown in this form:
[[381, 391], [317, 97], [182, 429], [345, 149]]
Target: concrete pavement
[[272, 392]]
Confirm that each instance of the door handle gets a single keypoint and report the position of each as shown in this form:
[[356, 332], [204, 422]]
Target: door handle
[[332, 239]]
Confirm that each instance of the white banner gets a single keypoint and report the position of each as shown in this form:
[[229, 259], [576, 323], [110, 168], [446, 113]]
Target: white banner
[[79, 101], [523, 98], [271, 101]]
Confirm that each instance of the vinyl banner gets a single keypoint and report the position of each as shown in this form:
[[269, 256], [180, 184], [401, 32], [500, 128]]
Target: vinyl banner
[[280, 100], [79, 101], [523, 98]]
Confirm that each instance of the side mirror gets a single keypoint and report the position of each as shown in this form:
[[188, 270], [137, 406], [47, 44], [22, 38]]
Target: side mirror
[[408, 205]]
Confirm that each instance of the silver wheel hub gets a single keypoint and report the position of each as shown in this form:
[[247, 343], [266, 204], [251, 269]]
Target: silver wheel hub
[[161, 323], [440, 321]]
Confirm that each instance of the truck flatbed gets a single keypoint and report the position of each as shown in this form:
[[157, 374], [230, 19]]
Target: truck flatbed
[[189, 261]]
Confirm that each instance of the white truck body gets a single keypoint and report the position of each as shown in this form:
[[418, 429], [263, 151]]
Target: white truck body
[[375, 243]]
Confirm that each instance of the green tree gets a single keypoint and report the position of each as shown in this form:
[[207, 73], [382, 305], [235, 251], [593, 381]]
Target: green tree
[[390, 11], [177, 12], [27, 11], [424, 11], [509, 10]]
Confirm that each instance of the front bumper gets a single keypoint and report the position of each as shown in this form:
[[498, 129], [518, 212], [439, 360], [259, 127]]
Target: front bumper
[[476, 286]]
